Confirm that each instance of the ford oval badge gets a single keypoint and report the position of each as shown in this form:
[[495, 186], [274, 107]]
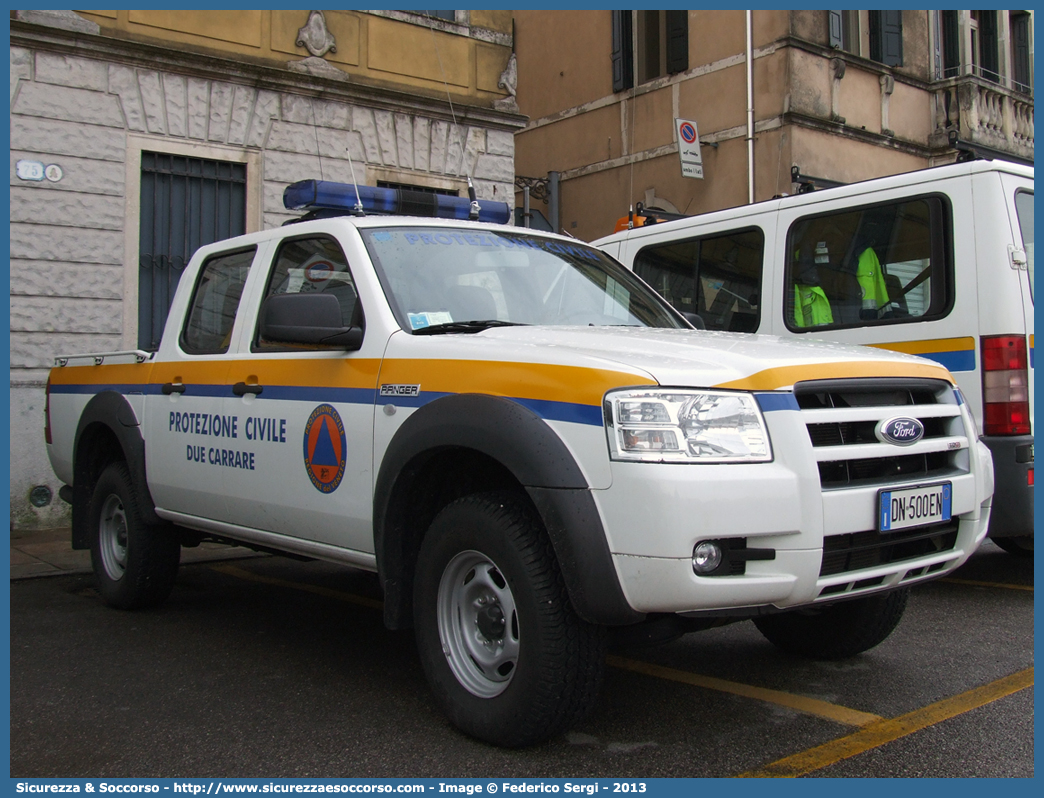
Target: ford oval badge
[[901, 431]]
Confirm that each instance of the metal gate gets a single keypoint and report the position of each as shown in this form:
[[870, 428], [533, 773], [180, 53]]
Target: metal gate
[[185, 203]]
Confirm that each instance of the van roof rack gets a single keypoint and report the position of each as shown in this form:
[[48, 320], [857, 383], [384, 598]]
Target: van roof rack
[[967, 151], [807, 183]]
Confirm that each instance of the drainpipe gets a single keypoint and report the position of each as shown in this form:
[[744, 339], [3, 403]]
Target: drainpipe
[[750, 109], [553, 200]]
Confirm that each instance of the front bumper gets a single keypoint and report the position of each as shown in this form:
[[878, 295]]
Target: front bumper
[[779, 506]]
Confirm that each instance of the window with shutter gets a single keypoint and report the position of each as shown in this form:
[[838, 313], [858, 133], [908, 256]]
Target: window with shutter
[[886, 37], [989, 52], [951, 45], [623, 51], [677, 41], [1020, 51]]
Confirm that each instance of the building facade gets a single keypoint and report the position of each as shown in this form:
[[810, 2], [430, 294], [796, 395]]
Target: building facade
[[137, 136], [838, 95]]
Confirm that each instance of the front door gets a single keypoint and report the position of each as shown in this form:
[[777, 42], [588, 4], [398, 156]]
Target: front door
[[306, 416]]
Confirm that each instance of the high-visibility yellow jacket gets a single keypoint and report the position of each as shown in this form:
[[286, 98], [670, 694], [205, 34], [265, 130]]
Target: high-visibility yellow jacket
[[811, 306], [871, 281]]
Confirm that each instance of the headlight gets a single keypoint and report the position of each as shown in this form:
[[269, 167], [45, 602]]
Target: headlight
[[684, 426]]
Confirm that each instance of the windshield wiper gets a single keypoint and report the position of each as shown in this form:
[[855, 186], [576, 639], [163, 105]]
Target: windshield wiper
[[465, 327]]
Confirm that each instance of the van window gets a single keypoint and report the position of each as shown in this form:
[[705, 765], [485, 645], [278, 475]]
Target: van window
[[879, 264], [1024, 209], [718, 277]]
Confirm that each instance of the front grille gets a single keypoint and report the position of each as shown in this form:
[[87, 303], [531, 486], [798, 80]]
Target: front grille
[[841, 418], [880, 470], [859, 550]]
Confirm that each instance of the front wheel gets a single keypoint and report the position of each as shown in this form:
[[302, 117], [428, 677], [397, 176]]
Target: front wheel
[[838, 631], [507, 657], [134, 563], [1021, 546]]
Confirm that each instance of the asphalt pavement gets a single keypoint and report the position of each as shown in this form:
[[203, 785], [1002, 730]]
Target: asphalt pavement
[[273, 667]]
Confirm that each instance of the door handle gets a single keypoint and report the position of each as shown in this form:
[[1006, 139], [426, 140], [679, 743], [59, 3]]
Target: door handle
[[172, 387], [241, 389]]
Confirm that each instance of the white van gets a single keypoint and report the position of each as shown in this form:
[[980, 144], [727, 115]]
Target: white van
[[936, 263]]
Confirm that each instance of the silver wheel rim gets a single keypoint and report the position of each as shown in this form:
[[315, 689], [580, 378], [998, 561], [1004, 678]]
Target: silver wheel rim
[[478, 624], [112, 537]]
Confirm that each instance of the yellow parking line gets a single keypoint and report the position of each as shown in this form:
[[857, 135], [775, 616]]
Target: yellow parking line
[[977, 583], [885, 731], [241, 573], [811, 706]]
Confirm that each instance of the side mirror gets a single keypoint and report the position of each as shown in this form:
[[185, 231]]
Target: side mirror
[[695, 319], [308, 319]]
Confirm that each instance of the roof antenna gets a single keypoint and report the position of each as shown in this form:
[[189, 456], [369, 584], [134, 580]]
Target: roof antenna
[[358, 209], [473, 212]]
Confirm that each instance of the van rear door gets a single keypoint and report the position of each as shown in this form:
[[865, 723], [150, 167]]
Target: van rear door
[[1018, 194]]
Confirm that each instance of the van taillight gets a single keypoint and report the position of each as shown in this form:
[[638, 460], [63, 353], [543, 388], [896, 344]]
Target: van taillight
[[47, 412], [1005, 385]]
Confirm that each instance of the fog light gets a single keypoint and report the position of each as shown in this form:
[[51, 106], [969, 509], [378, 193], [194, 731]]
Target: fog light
[[706, 557]]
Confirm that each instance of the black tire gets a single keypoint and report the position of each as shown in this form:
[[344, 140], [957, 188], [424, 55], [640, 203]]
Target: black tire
[[505, 653], [839, 631], [135, 563], [1021, 546]]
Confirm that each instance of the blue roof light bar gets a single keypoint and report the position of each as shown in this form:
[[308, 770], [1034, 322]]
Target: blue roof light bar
[[325, 195]]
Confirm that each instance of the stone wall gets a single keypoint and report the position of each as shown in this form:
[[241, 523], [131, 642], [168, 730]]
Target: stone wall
[[68, 237]]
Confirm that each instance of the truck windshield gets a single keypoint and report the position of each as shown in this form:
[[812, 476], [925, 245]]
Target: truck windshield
[[457, 280]]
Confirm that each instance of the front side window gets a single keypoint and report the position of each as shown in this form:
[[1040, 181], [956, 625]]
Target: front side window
[[1024, 209], [875, 265], [716, 277], [448, 280], [312, 265], [212, 312]]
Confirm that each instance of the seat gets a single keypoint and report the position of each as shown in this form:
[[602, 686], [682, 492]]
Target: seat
[[470, 303], [844, 293]]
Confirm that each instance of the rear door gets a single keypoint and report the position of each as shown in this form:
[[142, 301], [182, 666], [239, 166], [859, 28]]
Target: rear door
[[1018, 194], [185, 419]]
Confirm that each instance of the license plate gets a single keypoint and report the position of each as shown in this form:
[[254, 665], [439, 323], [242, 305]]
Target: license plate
[[925, 504]]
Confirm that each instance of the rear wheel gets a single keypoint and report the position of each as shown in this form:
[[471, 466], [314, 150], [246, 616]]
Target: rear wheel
[[1021, 546], [135, 563], [507, 657], [838, 631]]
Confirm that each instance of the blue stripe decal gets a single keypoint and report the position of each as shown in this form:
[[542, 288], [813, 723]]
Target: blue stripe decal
[[564, 411], [548, 410], [776, 401], [963, 360], [309, 393]]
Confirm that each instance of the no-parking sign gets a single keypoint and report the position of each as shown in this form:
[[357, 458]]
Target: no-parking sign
[[689, 148]]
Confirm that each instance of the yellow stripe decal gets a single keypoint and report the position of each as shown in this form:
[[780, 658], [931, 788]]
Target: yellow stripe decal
[[923, 347], [785, 376], [537, 381]]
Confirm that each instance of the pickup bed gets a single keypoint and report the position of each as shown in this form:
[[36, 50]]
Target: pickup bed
[[532, 449]]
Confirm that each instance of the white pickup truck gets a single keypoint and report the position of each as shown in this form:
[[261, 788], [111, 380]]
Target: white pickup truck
[[532, 449]]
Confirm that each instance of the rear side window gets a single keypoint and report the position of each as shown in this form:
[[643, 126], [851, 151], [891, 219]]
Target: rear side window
[[212, 313], [880, 264], [1024, 209], [717, 277]]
